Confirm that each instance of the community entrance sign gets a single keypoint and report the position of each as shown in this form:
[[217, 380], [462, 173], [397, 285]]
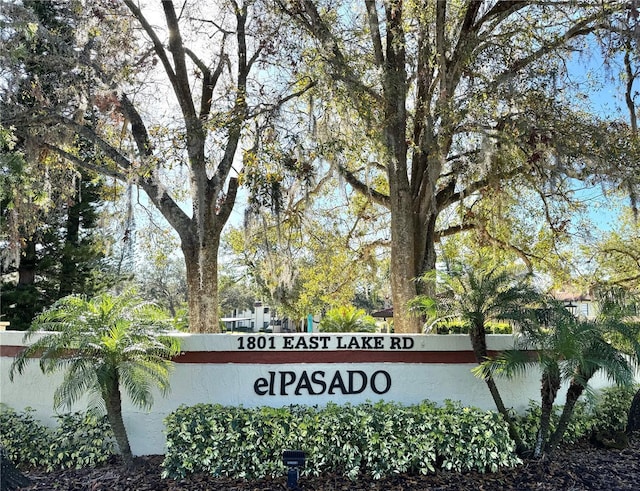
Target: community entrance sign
[[283, 369]]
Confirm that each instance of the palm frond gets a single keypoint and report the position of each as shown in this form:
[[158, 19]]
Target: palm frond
[[158, 372], [137, 385], [507, 364], [79, 379]]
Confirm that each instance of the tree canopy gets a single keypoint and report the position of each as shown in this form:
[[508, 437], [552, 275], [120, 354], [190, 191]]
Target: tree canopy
[[451, 116], [151, 97], [459, 102]]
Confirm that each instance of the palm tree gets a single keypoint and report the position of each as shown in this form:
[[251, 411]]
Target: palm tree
[[619, 311], [599, 355], [566, 349], [477, 297], [104, 344], [552, 347]]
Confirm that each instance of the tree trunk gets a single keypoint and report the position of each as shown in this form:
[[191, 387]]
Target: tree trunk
[[573, 394], [202, 286], [113, 404], [633, 420], [403, 270], [395, 88], [478, 338], [28, 264], [479, 346], [426, 249], [548, 392]]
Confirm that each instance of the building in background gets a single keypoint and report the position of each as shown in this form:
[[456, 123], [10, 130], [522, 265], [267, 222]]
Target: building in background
[[579, 304], [256, 320]]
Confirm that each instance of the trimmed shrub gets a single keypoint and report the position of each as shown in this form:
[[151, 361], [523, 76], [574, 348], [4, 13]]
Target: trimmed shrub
[[579, 426], [376, 439], [460, 327], [79, 440]]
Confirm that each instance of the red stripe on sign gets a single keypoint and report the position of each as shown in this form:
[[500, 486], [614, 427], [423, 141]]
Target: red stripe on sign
[[10, 351], [281, 357], [341, 356]]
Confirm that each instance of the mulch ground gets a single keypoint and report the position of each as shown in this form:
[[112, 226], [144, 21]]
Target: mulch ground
[[576, 467]]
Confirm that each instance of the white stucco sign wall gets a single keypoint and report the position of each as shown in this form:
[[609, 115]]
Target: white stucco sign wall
[[283, 369]]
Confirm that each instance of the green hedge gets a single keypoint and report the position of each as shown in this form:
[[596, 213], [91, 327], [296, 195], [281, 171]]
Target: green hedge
[[79, 440], [580, 425], [375, 439]]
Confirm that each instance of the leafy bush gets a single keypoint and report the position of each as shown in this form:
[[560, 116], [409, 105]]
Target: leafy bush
[[25, 440], [612, 408], [79, 440], [607, 411], [375, 439], [460, 327], [580, 425]]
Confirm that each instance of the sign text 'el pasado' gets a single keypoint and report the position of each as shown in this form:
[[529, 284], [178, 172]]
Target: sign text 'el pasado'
[[318, 382]]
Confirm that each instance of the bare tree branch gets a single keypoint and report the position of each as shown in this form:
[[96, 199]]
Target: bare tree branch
[[138, 128], [374, 27], [176, 47], [282, 100], [361, 187]]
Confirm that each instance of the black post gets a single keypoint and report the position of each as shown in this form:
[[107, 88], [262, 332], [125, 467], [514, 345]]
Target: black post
[[292, 478], [294, 460]]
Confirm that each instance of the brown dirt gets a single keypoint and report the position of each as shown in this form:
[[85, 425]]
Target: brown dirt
[[577, 467]]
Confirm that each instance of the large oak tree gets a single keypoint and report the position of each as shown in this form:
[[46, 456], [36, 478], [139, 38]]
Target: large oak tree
[[153, 95], [453, 101]]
